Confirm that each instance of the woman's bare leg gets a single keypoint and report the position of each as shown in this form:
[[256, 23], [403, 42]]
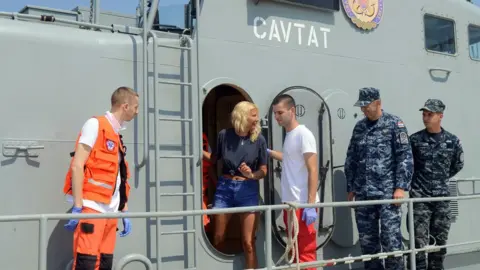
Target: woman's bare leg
[[221, 222], [248, 221]]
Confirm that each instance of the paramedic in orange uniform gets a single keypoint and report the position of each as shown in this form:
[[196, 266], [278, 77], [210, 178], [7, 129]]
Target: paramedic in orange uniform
[[96, 182]]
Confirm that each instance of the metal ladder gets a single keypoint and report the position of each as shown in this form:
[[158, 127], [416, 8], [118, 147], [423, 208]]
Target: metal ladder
[[190, 156]]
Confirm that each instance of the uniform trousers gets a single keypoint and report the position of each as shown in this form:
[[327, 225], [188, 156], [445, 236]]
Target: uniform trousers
[[431, 220], [383, 237], [307, 239], [94, 243]]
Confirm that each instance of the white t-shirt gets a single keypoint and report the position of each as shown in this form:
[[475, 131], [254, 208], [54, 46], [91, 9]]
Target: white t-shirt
[[294, 170], [89, 137]]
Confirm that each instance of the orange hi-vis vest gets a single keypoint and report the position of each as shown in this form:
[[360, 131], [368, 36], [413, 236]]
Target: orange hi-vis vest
[[102, 167]]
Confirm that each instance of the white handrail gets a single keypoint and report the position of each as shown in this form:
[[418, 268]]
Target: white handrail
[[43, 218]]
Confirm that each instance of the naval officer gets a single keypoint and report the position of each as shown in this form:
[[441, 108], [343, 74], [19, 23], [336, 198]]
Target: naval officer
[[438, 156], [378, 166]]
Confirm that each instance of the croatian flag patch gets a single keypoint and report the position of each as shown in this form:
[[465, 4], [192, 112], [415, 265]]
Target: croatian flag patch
[[110, 145], [400, 124]]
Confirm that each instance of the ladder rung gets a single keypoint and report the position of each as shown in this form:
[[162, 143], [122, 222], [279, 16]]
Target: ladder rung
[[174, 83], [178, 232], [178, 194], [174, 47], [183, 157], [175, 119]]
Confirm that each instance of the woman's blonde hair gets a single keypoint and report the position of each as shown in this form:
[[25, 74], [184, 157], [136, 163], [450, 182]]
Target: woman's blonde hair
[[240, 115]]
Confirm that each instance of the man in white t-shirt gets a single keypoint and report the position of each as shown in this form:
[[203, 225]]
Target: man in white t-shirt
[[97, 182], [299, 177]]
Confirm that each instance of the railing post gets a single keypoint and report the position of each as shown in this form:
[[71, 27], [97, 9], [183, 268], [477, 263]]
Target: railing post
[[42, 246], [411, 230], [268, 238], [96, 12]]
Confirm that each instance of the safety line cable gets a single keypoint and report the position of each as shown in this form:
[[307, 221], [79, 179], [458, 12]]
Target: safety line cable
[[292, 240]]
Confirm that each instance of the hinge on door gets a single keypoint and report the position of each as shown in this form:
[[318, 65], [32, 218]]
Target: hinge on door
[[21, 148], [323, 174], [322, 109], [264, 123], [278, 169]]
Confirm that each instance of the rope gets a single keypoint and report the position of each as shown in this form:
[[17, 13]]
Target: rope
[[431, 245], [292, 222]]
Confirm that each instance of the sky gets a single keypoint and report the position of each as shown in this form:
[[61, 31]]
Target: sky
[[122, 6]]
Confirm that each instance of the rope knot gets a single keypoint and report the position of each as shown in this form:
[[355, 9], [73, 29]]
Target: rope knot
[[292, 205]]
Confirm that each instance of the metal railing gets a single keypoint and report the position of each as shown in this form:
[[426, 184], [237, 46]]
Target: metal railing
[[43, 218], [94, 21]]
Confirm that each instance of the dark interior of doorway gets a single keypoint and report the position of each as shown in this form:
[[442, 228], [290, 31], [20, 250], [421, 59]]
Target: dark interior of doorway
[[217, 107]]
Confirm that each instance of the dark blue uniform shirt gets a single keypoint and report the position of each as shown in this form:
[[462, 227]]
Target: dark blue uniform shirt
[[379, 158], [438, 157]]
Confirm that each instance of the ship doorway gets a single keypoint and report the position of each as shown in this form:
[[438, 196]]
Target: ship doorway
[[311, 111], [217, 106]]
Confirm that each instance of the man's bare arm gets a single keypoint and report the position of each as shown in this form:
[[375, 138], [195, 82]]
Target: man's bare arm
[[81, 154], [311, 161], [277, 155]]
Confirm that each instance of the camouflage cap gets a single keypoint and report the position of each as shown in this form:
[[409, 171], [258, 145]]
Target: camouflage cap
[[434, 105], [366, 95]]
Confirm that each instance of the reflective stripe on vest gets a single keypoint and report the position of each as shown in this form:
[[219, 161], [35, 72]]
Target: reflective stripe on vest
[[100, 184]]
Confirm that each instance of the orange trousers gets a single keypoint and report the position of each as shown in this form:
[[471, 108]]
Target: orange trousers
[[94, 243], [307, 239]]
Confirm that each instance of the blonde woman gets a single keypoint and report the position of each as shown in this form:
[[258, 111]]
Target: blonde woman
[[243, 152]]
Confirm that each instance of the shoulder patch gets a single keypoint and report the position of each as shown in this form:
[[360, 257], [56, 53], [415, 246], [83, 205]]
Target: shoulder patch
[[400, 124], [403, 138], [110, 145]]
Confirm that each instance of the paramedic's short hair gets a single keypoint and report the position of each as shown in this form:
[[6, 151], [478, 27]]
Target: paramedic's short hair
[[122, 95], [289, 101]]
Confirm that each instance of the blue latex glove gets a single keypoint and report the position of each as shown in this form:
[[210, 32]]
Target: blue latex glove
[[309, 215], [72, 223], [127, 226]]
